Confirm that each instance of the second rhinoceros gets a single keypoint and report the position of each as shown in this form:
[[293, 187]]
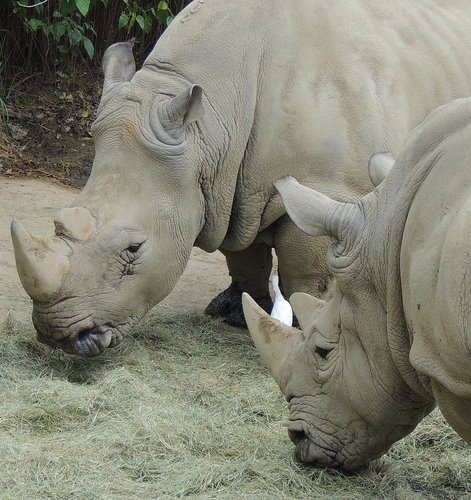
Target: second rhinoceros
[[235, 94], [396, 337]]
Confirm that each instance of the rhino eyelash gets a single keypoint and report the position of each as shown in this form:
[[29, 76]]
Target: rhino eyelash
[[128, 270]]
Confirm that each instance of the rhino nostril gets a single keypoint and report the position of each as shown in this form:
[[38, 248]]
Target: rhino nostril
[[296, 436]]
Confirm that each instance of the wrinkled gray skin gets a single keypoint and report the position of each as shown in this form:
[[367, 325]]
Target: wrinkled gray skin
[[234, 95], [395, 339]]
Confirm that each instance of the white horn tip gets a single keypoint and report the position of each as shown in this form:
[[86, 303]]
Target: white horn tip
[[15, 225], [252, 311], [41, 262]]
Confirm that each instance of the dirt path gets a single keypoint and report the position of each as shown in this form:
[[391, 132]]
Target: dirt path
[[35, 203]]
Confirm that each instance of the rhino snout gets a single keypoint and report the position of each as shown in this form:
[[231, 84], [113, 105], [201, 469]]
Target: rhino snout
[[87, 337], [326, 450]]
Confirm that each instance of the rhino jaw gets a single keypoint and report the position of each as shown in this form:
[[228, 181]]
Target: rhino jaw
[[273, 339], [42, 263]]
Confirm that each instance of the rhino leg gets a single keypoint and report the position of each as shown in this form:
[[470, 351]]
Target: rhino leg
[[302, 263], [250, 270]]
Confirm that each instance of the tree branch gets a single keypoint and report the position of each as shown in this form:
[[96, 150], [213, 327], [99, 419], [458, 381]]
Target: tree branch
[[31, 6]]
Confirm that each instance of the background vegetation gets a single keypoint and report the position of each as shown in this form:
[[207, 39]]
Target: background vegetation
[[52, 37], [50, 33], [183, 408]]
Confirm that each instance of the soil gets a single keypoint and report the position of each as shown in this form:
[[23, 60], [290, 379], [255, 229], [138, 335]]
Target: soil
[[45, 158], [48, 128]]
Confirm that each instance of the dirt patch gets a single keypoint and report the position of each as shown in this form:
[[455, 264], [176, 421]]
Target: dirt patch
[[35, 203], [47, 132]]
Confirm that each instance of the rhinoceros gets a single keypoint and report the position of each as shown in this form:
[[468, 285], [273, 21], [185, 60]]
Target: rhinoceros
[[234, 95], [396, 336]]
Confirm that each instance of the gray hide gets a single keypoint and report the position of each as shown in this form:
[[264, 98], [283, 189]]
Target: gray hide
[[395, 338]]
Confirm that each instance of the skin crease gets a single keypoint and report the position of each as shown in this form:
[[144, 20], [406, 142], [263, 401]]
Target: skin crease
[[394, 339], [188, 146]]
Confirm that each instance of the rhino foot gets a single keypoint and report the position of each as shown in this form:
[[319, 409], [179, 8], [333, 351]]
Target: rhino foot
[[228, 306]]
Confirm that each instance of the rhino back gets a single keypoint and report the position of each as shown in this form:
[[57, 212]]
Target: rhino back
[[436, 255], [310, 89]]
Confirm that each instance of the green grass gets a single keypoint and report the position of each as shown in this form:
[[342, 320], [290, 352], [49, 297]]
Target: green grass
[[182, 408]]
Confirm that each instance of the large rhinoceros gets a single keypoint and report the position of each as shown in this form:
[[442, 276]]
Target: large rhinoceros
[[235, 94], [396, 336]]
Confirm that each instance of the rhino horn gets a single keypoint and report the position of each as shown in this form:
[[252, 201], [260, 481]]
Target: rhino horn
[[76, 223], [273, 339], [317, 214], [379, 166], [306, 307], [41, 262], [118, 63]]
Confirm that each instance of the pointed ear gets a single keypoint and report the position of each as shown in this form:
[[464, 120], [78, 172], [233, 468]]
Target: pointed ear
[[317, 214], [188, 106], [379, 166], [180, 111], [118, 63], [306, 207]]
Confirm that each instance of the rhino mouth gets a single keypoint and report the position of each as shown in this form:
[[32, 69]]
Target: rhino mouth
[[92, 341], [88, 342], [88, 339], [311, 453]]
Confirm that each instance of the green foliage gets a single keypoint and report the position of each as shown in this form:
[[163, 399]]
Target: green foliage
[[3, 89], [50, 35], [145, 18], [68, 26], [3, 115]]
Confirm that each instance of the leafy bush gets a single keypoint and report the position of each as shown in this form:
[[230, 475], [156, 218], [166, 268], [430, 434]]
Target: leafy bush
[[68, 26], [45, 35]]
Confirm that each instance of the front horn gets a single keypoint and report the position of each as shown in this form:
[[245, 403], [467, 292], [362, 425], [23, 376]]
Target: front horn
[[41, 262], [273, 339]]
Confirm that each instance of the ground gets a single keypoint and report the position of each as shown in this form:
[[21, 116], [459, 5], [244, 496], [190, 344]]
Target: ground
[[48, 128]]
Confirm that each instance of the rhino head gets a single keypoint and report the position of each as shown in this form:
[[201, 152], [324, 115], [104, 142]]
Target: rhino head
[[127, 238], [348, 398]]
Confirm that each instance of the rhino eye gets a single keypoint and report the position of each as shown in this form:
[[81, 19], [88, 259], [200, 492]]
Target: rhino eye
[[322, 352], [134, 248]]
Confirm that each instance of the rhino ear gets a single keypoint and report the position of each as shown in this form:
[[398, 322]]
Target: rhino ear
[[379, 166], [118, 63], [180, 111], [317, 214]]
